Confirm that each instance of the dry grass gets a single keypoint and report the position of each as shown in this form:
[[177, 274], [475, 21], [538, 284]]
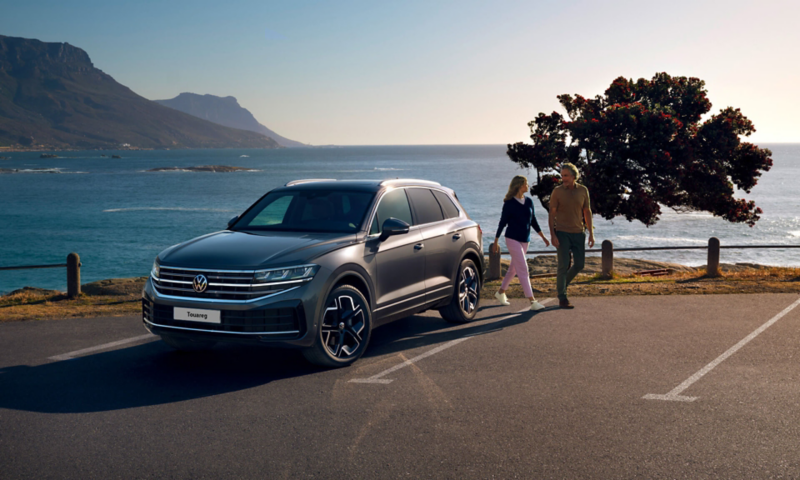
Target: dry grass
[[107, 298], [751, 280], [117, 297]]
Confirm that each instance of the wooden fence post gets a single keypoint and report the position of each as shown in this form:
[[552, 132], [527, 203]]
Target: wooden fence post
[[608, 258], [494, 262], [73, 275], [712, 265]]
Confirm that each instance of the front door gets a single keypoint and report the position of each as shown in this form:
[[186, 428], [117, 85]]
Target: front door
[[400, 259]]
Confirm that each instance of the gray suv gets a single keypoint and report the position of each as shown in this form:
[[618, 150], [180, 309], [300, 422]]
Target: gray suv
[[316, 265]]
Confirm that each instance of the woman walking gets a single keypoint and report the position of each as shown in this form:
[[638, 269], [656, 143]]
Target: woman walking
[[519, 217]]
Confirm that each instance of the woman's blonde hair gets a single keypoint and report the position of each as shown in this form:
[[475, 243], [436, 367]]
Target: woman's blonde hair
[[572, 169], [513, 187]]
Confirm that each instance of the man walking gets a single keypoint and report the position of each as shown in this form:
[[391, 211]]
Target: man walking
[[570, 217]]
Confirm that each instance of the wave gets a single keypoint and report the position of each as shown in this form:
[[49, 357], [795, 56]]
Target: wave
[[175, 209], [41, 170], [794, 234], [376, 169], [181, 170], [662, 241]]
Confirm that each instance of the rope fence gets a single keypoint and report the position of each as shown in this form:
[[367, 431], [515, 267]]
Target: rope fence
[[73, 266], [607, 250]]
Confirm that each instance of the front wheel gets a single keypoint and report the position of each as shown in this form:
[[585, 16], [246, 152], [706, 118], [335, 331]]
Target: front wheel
[[464, 305], [344, 329]]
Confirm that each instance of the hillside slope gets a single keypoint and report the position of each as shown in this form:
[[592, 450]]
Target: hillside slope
[[52, 96], [224, 111]]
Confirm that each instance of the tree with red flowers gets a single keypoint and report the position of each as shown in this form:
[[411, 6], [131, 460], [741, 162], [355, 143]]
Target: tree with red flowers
[[642, 145]]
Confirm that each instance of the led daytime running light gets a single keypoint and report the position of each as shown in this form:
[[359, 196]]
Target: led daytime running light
[[285, 274]]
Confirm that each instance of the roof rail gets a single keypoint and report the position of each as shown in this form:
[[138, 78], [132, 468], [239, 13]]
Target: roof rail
[[410, 180], [309, 180]]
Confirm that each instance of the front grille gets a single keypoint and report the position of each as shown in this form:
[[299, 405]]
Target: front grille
[[269, 321], [222, 284]]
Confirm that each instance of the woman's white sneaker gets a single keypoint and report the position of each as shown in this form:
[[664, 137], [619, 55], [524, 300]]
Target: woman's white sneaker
[[536, 306], [501, 297]]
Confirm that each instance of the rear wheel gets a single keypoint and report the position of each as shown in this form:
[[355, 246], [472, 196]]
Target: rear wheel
[[187, 345], [464, 305], [344, 330]]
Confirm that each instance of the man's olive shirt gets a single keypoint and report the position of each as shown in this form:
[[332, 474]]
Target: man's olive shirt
[[568, 204]]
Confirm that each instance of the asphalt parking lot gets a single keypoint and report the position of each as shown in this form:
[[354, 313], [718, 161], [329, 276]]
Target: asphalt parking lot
[[620, 387]]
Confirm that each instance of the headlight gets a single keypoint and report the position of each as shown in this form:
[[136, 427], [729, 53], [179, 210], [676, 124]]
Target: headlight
[[300, 272], [156, 270]]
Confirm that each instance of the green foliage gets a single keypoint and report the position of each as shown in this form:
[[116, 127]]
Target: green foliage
[[642, 145]]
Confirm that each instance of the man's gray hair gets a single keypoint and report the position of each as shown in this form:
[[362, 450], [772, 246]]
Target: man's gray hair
[[572, 169]]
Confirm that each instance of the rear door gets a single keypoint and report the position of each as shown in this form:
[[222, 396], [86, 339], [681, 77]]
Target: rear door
[[455, 228], [440, 244]]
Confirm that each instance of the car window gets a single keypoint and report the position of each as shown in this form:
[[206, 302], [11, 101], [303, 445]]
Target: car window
[[450, 210], [274, 212], [393, 204], [425, 206], [308, 211]]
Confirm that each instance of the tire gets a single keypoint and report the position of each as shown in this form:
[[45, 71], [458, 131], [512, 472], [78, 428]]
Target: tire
[[467, 295], [344, 329], [187, 345]]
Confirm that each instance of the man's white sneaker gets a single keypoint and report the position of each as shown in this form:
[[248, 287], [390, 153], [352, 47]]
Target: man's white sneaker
[[501, 297], [535, 306]]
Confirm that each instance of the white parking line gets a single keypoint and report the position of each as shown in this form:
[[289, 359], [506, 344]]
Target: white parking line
[[78, 353], [675, 396], [378, 378]]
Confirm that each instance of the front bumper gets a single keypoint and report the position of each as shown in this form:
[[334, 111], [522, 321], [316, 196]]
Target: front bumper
[[283, 320]]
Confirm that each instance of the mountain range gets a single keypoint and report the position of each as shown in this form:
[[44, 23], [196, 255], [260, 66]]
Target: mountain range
[[224, 111], [53, 97]]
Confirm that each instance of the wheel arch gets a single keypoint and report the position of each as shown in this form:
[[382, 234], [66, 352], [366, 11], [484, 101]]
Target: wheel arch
[[472, 254], [353, 275]]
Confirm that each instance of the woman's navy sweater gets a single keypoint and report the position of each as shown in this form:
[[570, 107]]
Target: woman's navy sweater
[[519, 218]]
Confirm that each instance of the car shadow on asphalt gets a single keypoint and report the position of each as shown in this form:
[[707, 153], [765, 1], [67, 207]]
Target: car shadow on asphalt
[[144, 375], [420, 331], [154, 374]]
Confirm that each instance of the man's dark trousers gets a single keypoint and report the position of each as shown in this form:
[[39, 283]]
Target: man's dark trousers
[[569, 242]]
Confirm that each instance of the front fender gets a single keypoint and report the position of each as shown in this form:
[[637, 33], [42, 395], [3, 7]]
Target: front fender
[[339, 275]]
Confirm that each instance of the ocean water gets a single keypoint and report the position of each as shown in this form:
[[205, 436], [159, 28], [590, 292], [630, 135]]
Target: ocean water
[[117, 216]]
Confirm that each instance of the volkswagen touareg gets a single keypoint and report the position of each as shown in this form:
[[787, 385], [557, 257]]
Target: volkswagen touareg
[[316, 265]]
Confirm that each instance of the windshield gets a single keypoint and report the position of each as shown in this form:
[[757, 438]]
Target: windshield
[[308, 211]]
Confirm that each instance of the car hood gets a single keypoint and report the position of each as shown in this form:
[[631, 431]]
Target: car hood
[[252, 250]]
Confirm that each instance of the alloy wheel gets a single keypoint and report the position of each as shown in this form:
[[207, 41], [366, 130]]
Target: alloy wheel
[[468, 290], [342, 326]]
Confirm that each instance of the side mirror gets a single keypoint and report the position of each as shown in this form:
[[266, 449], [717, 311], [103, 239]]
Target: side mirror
[[232, 221], [393, 226]]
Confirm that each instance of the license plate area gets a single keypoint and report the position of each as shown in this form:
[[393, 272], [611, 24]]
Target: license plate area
[[197, 315]]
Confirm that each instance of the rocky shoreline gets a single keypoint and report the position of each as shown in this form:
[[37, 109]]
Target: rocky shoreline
[[122, 296], [544, 264], [540, 265]]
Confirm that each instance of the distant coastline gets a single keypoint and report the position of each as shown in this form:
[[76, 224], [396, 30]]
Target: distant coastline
[[44, 149]]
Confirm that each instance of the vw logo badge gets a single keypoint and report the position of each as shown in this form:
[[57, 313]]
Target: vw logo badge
[[200, 283]]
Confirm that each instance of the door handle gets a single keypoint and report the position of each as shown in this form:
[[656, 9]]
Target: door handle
[[418, 246], [456, 236]]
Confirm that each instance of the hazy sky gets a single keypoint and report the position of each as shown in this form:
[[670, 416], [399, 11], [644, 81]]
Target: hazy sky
[[429, 72]]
